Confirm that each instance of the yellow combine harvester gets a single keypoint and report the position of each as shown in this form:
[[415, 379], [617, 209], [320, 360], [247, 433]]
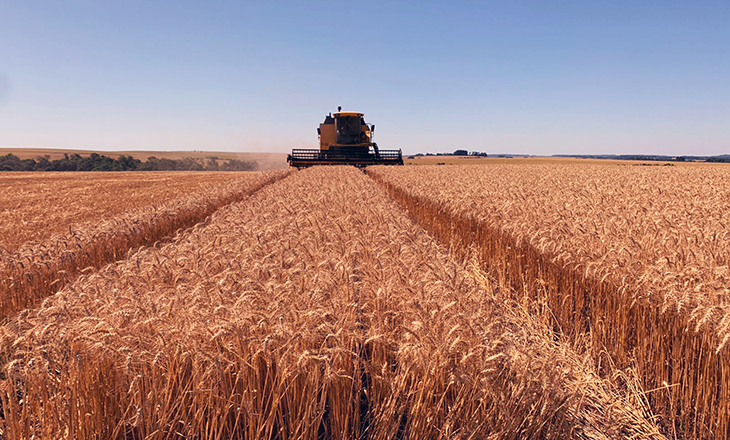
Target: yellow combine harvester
[[345, 139]]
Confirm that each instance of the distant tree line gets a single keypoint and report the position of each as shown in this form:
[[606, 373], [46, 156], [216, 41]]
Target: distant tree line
[[723, 159], [455, 153], [469, 153], [97, 162], [657, 158]]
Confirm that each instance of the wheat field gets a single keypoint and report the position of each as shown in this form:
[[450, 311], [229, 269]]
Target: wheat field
[[36, 206], [39, 268], [313, 306], [630, 263]]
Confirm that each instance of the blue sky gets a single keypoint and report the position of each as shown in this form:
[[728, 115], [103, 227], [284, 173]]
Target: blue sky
[[530, 77]]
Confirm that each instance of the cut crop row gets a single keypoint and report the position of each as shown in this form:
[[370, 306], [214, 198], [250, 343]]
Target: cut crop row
[[313, 309]]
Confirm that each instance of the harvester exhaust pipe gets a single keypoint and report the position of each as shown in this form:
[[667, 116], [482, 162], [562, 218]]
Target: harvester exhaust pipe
[[339, 108]]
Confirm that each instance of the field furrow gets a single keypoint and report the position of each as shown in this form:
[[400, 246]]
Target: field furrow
[[632, 259], [313, 309]]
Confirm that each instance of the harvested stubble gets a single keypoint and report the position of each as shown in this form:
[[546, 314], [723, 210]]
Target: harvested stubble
[[313, 309], [39, 269], [636, 257], [36, 206]]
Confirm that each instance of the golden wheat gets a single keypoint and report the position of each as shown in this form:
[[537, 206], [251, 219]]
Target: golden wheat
[[38, 269], [313, 309], [36, 206], [634, 257]]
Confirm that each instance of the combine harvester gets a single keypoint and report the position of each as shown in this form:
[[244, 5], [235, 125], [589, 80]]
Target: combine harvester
[[345, 139]]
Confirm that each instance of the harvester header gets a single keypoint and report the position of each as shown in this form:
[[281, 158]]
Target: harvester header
[[345, 139]]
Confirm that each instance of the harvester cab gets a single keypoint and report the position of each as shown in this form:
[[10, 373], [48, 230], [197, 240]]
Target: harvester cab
[[345, 139]]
